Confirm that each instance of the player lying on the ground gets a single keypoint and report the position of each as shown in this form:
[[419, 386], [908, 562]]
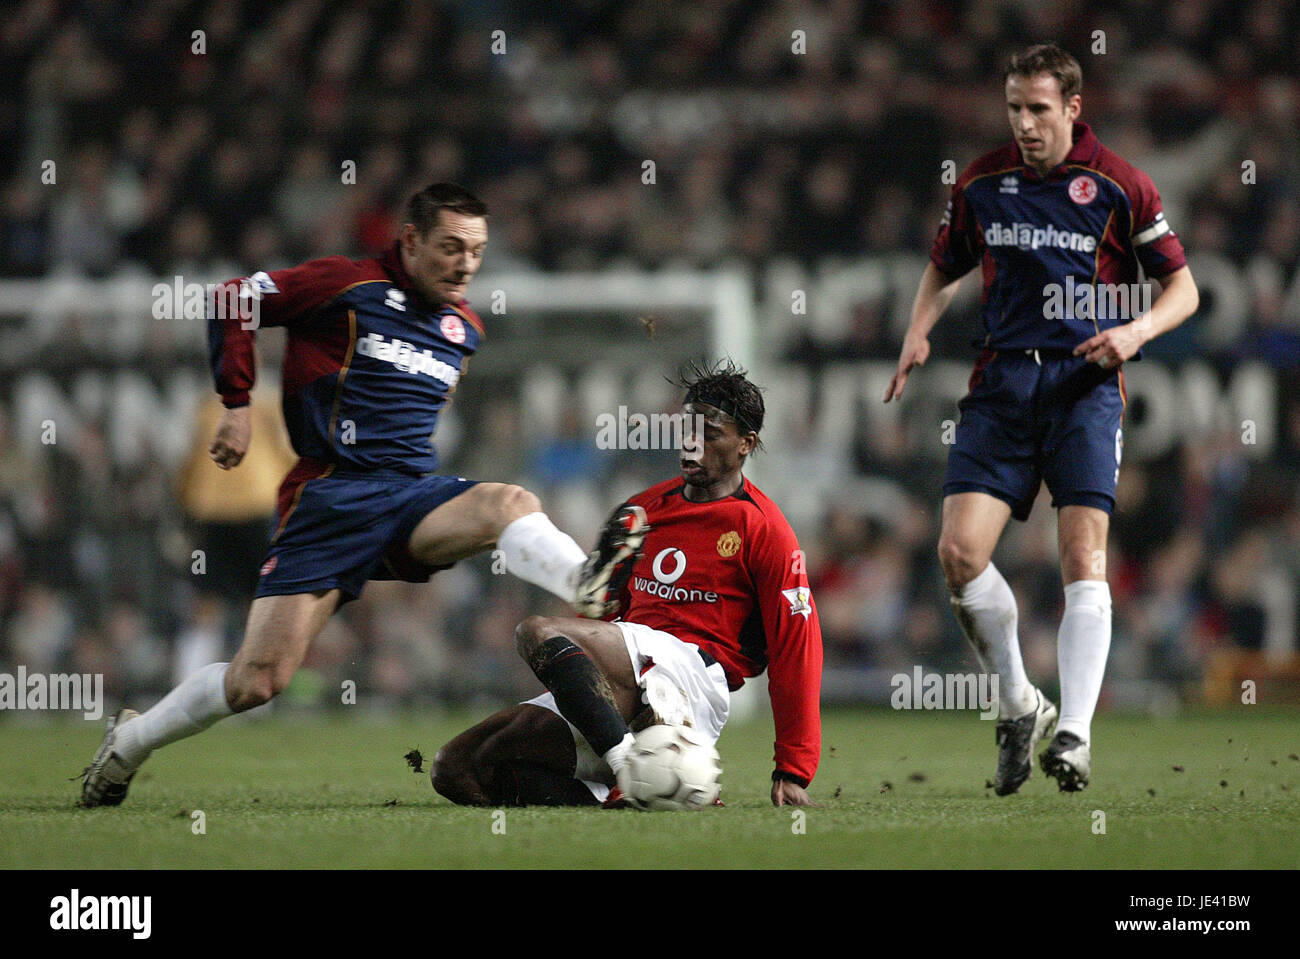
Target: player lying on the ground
[[375, 348], [1053, 212], [718, 595]]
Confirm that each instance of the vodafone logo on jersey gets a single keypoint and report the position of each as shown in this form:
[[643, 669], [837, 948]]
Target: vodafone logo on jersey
[[668, 567], [1083, 189], [671, 555], [452, 328]]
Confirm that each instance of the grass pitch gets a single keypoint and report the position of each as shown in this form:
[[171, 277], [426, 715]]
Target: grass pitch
[[897, 790]]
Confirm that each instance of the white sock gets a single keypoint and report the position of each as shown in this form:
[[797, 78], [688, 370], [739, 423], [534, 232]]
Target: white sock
[[190, 708], [986, 610], [616, 756], [540, 554], [1081, 649]]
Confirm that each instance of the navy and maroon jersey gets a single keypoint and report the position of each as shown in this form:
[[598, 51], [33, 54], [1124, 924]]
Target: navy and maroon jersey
[[1092, 220], [368, 364], [728, 576]]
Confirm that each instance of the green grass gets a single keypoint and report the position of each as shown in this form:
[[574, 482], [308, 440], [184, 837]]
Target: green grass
[[308, 792]]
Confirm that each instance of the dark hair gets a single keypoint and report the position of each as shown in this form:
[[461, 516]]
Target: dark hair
[[724, 386], [1048, 58], [424, 207]]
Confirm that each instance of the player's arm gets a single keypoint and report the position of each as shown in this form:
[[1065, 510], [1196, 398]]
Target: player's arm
[[932, 298], [1160, 252], [236, 310], [794, 669], [956, 250], [1178, 300]]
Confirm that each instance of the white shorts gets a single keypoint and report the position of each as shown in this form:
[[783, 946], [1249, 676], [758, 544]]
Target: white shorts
[[675, 681]]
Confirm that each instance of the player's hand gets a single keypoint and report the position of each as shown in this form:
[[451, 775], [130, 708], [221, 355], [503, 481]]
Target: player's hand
[[916, 350], [1112, 347], [231, 442], [786, 793]]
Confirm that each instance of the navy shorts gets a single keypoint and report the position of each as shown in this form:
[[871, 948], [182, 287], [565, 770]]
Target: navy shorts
[[1030, 418], [338, 530]]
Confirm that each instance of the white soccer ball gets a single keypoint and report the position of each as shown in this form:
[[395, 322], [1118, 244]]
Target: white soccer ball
[[672, 767]]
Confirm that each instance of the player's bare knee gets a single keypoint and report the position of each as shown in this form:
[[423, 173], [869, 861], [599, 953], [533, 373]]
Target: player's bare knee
[[531, 633], [253, 685], [1083, 563], [250, 689], [512, 502], [452, 776], [959, 562]]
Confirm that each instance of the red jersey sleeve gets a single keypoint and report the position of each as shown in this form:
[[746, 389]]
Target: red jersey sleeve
[[959, 245], [240, 306], [794, 649], [1157, 247]]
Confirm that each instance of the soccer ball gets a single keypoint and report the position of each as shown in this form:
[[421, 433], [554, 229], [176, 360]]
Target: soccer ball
[[672, 767]]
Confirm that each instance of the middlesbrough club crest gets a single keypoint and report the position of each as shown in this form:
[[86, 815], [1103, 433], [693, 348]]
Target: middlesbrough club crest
[[1083, 189], [453, 329]]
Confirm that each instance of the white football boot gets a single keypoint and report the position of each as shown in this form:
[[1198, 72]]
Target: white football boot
[[1068, 759], [106, 779]]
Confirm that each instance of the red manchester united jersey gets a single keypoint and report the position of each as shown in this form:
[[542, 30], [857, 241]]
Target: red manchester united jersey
[[728, 576]]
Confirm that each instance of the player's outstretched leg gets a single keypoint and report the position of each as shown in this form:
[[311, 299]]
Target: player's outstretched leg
[[280, 628], [587, 668], [510, 518]]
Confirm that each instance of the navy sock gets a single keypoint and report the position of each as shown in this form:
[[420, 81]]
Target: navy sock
[[581, 692]]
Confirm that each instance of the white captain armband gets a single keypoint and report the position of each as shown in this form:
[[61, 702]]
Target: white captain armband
[[1152, 231]]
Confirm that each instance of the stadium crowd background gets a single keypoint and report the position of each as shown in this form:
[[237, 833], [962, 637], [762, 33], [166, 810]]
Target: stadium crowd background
[[214, 164]]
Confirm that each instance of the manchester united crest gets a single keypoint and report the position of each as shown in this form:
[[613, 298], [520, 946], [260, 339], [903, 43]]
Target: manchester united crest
[[729, 544]]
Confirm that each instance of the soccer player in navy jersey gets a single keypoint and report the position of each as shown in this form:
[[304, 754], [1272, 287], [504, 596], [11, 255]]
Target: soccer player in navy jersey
[[375, 349], [718, 594], [1060, 226]]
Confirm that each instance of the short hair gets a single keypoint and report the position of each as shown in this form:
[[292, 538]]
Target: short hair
[[725, 387], [424, 207], [1051, 59]]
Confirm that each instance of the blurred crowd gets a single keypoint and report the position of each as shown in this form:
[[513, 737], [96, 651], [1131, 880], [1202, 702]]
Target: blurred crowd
[[230, 133], [209, 139]]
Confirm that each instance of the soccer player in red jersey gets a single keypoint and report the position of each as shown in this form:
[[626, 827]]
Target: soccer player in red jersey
[[719, 594], [1060, 226], [375, 349]]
